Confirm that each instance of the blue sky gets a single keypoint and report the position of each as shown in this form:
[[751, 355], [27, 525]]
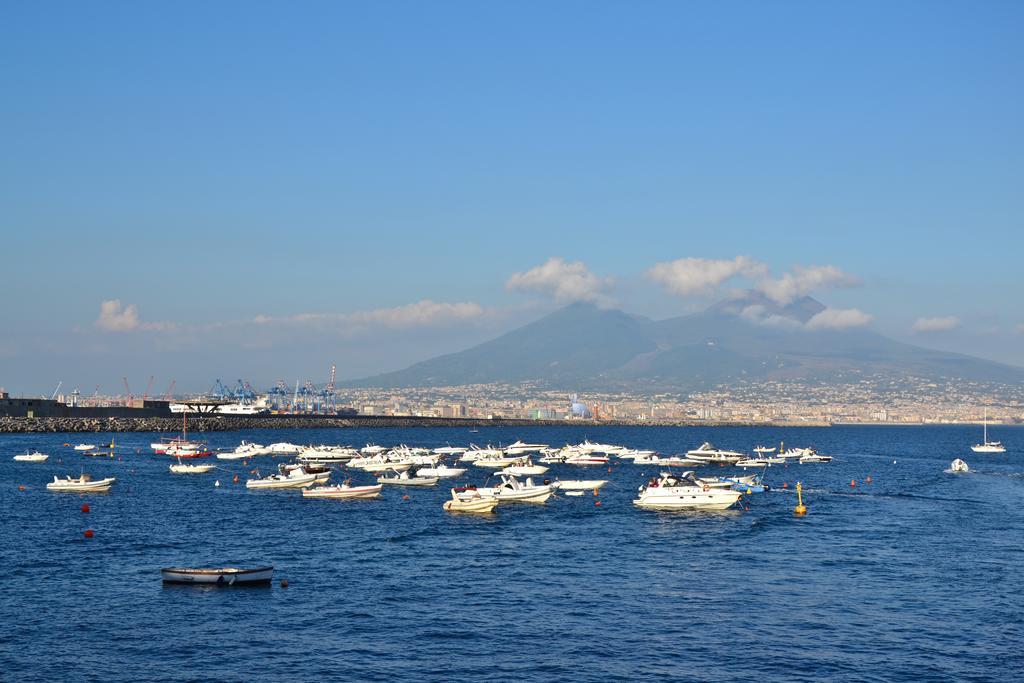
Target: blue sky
[[214, 164]]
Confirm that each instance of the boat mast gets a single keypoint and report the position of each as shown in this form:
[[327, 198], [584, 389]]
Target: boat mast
[[984, 422]]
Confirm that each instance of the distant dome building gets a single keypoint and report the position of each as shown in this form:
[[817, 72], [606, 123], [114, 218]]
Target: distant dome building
[[579, 410]]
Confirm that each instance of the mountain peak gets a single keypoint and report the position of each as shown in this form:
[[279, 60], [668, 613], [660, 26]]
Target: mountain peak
[[742, 303]]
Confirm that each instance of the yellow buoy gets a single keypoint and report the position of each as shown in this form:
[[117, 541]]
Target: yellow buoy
[[800, 508]]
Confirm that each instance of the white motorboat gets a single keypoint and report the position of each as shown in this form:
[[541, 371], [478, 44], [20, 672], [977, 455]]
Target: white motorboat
[[244, 450], [476, 453], [441, 471], [469, 500], [84, 447], [187, 468], [296, 479], [511, 490], [685, 492], [958, 466], [345, 490], [402, 478], [284, 448], [35, 456], [495, 462], [519, 448], [372, 449], [450, 450], [81, 484], [987, 446], [764, 449], [523, 468], [814, 456], [708, 453], [322, 473], [665, 461], [607, 449], [633, 454], [754, 462], [586, 459], [579, 484], [225, 576]]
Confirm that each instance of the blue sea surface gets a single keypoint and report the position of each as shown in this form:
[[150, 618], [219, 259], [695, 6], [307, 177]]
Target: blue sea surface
[[917, 575]]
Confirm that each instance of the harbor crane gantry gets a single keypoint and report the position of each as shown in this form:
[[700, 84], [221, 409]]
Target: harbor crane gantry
[[149, 387]]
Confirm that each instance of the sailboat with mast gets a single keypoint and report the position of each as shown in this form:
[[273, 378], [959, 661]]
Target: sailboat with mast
[[988, 446], [180, 446]]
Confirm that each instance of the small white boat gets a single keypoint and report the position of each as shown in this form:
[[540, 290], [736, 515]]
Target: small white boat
[[585, 459], [244, 451], [764, 449], [524, 468], [671, 492], [346, 490], [441, 471], [35, 456], [296, 479], [187, 468], [518, 448], [958, 466], [403, 479], [284, 448], [84, 447], [450, 450], [81, 484], [708, 453], [468, 500], [754, 462], [225, 576], [580, 484], [811, 455], [511, 490]]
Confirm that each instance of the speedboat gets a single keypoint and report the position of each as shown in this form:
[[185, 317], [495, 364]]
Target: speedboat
[[476, 453], [284, 448], [607, 449], [35, 456], [665, 461], [403, 479], [958, 466], [187, 468], [450, 450], [511, 490], [225, 576], [441, 471], [322, 473], [82, 484], [346, 490], [754, 462], [518, 448], [579, 484], [586, 459], [709, 454], [495, 462], [987, 446], [296, 479], [327, 455], [470, 500], [244, 451], [523, 467], [764, 449], [84, 447], [685, 492]]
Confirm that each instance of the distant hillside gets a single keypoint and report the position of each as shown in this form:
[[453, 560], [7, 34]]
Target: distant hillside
[[583, 347]]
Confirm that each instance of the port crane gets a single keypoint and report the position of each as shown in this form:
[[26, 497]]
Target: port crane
[[127, 392]]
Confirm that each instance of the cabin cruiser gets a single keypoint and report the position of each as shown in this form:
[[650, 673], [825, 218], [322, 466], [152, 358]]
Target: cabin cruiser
[[666, 461], [442, 471], [81, 484], [607, 449], [523, 467], [403, 479], [511, 490], [519, 448], [345, 490], [372, 449], [84, 447], [244, 451], [469, 500], [327, 455], [633, 454], [35, 456], [188, 468], [295, 479], [379, 463], [813, 456], [684, 492], [709, 454], [586, 459], [495, 462], [322, 473]]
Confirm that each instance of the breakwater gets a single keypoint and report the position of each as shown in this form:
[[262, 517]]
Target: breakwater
[[23, 425]]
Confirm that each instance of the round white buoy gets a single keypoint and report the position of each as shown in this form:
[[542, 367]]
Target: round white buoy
[[216, 483]]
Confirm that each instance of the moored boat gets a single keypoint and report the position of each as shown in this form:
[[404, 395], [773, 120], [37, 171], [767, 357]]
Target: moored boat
[[468, 500], [579, 484], [81, 484], [224, 576], [296, 479], [34, 456], [345, 490], [958, 466], [188, 468], [672, 492]]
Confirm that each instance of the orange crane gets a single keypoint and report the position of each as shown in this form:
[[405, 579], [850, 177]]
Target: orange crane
[[170, 391], [148, 388]]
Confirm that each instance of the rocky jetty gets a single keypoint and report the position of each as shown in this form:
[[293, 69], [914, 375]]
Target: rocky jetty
[[13, 425]]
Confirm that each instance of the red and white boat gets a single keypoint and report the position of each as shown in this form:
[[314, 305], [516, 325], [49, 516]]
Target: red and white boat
[[188, 449]]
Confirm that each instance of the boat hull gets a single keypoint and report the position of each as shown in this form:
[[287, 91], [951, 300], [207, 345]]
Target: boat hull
[[479, 505], [343, 492]]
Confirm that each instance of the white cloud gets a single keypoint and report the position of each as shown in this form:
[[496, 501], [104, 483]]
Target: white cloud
[[838, 319], [942, 324], [694, 276], [564, 280], [759, 315], [802, 281], [114, 318]]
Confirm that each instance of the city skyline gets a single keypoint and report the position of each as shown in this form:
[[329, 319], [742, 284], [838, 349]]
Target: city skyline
[[372, 192]]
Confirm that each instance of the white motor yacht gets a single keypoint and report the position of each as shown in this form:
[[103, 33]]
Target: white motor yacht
[[511, 490], [524, 467], [296, 479], [579, 484], [519, 448], [187, 468], [708, 453], [396, 478], [35, 456], [284, 448], [345, 490], [685, 492], [85, 447], [442, 471]]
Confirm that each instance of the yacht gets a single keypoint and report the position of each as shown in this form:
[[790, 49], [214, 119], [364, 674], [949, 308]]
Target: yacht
[[35, 456], [685, 492], [988, 446], [708, 453], [523, 467], [442, 471], [519, 448]]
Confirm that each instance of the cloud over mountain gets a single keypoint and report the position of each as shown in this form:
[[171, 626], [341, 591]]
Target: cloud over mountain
[[690, 276], [565, 281], [804, 280], [838, 319]]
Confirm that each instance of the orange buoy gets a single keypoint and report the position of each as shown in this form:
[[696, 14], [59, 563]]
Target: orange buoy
[[597, 503], [85, 507], [235, 480], [21, 487], [785, 484], [405, 497], [595, 492], [853, 483], [88, 533], [609, 470]]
